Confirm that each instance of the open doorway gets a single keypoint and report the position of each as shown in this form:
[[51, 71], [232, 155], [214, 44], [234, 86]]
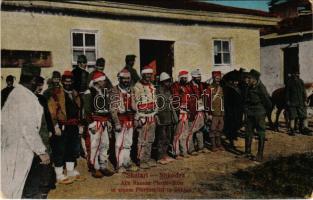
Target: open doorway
[[159, 54], [291, 61]]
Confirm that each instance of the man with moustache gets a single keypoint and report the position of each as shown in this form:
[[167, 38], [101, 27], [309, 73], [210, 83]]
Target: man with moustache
[[144, 102], [65, 106], [21, 144], [123, 120], [194, 141], [97, 114]]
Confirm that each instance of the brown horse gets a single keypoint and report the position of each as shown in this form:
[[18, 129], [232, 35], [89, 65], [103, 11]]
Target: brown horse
[[278, 100]]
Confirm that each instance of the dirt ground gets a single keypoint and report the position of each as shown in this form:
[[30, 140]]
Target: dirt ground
[[207, 175]]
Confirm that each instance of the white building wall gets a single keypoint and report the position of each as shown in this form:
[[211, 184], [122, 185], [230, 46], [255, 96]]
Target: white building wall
[[193, 46], [306, 60], [272, 66]]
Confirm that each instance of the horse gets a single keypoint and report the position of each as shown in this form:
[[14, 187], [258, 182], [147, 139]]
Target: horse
[[279, 101]]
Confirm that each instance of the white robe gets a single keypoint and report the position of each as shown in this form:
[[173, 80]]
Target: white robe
[[20, 139]]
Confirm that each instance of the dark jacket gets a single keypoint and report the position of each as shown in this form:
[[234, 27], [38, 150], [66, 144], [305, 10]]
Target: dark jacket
[[258, 100], [44, 103], [80, 79], [96, 103], [166, 114], [295, 93], [5, 94]]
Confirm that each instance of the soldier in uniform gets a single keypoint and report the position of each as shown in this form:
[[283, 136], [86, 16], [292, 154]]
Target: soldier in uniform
[[64, 106], [6, 91], [80, 75], [96, 107], [181, 92], [216, 111], [296, 100], [166, 118], [195, 141], [123, 120], [256, 105], [144, 102], [129, 65]]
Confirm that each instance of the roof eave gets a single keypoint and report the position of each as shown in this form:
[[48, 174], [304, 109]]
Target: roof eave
[[156, 13]]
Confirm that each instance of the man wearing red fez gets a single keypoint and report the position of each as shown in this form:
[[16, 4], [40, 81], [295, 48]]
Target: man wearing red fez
[[196, 114], [216, 111], [97, 115], [144, 102], [64, 107], [180, 91], [123, 120]]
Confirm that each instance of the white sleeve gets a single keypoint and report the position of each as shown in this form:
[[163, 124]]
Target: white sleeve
[[31, 121]]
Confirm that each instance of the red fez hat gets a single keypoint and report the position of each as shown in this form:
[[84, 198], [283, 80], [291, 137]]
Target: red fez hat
[[183, 73], [124, 73], [67, 73], [216, 73], [147, 70]]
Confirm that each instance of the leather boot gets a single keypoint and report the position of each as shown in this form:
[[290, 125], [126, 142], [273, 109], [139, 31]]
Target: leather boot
[[291, 132], [259, 156], [219, 143], [248, 142], [304, 130], [213, 142]]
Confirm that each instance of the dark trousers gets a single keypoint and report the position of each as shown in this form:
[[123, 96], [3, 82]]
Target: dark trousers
[[66, 148], [232, 124], [256, 123], [40, 180], [163, 139]]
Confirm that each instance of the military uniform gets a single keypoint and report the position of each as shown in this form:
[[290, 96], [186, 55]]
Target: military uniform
[[295, 99], [256, 105], [80, 79]]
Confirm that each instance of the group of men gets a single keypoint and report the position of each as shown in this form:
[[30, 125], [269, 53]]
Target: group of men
[[127, 127]]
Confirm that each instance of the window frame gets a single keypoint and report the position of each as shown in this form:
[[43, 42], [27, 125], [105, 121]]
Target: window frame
[[84, 48], [222, 51]]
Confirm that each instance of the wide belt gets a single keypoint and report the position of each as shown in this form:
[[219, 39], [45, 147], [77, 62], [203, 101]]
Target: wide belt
[[99, 118], [126, 117], [72, 121]]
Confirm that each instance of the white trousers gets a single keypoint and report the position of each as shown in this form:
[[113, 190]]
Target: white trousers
[[99, 145], [123, 142]]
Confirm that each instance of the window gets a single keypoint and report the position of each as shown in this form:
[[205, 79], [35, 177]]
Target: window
[[84, 42], [17, 58], [222, 52]]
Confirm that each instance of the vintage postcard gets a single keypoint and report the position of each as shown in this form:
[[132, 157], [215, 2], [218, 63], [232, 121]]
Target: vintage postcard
[[156, 99]]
